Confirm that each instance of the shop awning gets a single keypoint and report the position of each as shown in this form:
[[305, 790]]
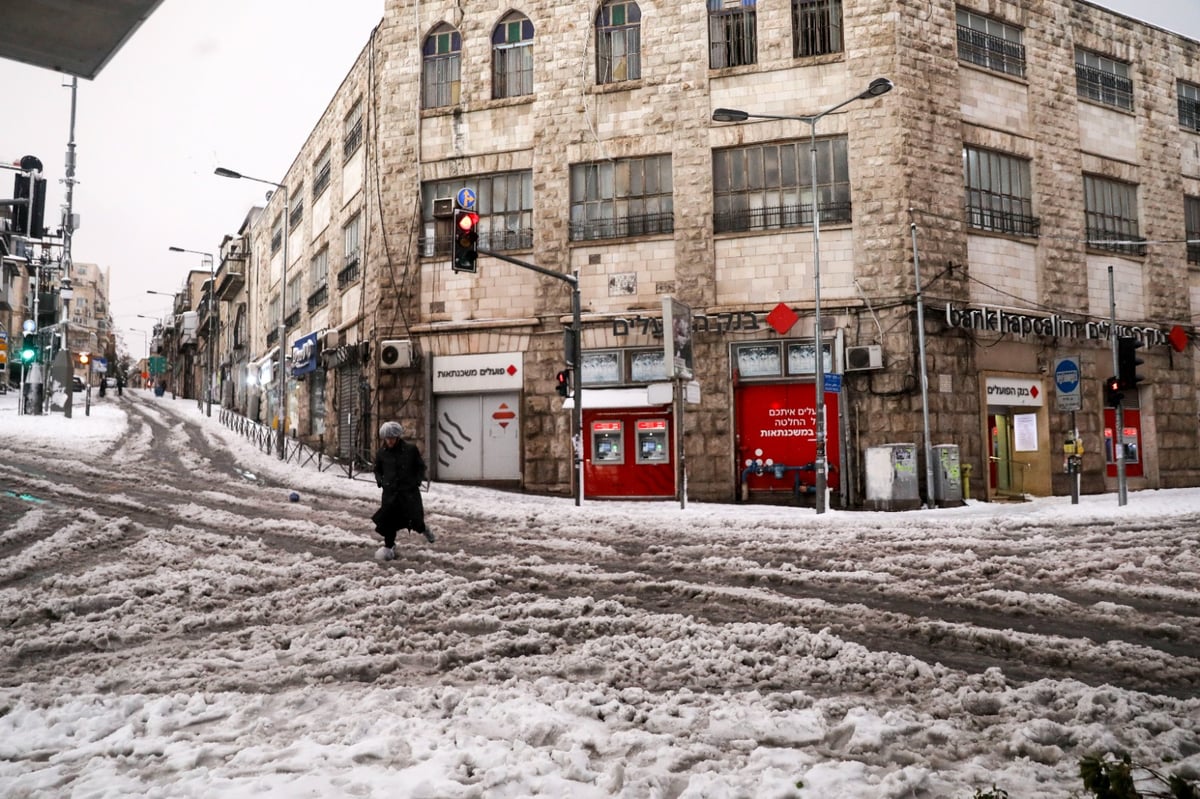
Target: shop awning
[[613, 398]]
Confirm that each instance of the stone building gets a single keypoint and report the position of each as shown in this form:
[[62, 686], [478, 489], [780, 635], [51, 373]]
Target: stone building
[[1029, 149]]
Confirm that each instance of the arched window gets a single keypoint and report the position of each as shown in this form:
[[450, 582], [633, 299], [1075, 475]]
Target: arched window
[[442, 56], [512, 56], [618, 41]]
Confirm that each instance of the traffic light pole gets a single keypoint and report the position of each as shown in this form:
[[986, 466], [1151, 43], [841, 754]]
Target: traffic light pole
[[576, 372], [1118, 412]]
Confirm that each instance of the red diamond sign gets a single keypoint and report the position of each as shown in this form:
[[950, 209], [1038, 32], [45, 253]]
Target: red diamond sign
[[782, 318]]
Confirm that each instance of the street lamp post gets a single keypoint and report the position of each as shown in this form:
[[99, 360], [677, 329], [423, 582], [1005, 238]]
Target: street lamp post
[[229, 173], [212, 318], [876, 88], [66, 293]]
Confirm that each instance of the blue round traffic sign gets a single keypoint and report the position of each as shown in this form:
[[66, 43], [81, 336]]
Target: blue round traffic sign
[[466, 199], [1066, 375]]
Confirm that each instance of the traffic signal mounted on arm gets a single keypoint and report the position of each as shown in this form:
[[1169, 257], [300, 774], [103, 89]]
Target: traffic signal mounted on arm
[[466, 241], [1128, 362]]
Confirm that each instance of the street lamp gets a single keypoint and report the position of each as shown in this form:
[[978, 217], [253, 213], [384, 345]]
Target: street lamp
[[229, 173], [877, 87], [212, 316]]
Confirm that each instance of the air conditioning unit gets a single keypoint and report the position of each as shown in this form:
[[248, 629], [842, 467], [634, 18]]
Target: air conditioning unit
[[443, 207], [861, 359], [395, 354]]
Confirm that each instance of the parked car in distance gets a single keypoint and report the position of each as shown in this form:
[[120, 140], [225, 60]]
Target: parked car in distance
[[77, 383]]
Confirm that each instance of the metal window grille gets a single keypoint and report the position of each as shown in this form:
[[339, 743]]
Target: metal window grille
[[297, 213], [1189, 106], [1103, 80], [512, 57], [618, 42], [1110, 211], [1192, 228], [442, 63], [769, 186], [625, 197], [995, 53], [732, 33], [277, 235], [999, 193], [352, 139], [816, 27], [321, 174]]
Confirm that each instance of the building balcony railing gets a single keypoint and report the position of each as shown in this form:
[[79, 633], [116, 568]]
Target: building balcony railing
[[780, 216], [995, 221], [624, 227], [318, 298], [986, 50], [348, 275], [1115, 241]]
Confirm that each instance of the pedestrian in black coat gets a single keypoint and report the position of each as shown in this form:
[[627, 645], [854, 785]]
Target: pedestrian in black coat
[[399, 471]]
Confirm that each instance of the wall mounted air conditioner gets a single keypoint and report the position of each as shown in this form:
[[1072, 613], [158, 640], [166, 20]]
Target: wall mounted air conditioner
[[861, 359], [395, 354]]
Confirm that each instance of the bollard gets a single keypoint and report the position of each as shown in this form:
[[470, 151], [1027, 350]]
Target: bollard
[[966, 480]]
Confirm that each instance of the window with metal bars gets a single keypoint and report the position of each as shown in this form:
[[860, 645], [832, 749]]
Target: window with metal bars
[[1191, 211], [352, 131], [351, 237], [816, 27], [1111, 217], [318, 277], [618, 41], [277, 234], [512, 57], [999, 192], [1189, 105], [732, 33], [769, 186], [321, 168], [296, 214], [504, 202], [990, 43], [1103, 79], [622, 197], [442, 61]]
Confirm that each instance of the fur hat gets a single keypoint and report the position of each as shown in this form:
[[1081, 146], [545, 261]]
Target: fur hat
[[391, 430]]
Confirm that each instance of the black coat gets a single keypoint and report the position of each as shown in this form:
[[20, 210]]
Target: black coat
[[399, 471]]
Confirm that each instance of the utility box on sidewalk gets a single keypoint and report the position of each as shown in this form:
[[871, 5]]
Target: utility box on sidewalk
[[947, 476], [892, 477]]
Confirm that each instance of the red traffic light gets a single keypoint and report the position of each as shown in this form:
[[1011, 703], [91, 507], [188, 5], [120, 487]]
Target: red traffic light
[[466, 241], [563, 383]]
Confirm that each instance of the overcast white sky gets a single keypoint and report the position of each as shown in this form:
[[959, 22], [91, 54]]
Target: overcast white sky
[[185, 95]]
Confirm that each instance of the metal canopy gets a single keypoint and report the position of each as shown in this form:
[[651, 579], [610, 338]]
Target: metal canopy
[[77, 37]]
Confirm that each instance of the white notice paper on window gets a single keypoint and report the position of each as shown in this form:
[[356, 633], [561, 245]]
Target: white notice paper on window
[[1025, 434]]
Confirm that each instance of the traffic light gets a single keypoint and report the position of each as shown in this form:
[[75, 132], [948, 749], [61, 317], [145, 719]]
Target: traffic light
[[466, 241], [1112, 392], [28, 350], [30, 218], [1127, 362], [562, 383], [84, 358]]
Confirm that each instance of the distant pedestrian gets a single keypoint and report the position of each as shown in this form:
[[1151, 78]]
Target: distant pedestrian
[[120, 384], [399, 471], [103, 383]]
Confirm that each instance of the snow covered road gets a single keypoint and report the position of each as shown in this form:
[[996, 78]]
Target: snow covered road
[[170, 623]]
